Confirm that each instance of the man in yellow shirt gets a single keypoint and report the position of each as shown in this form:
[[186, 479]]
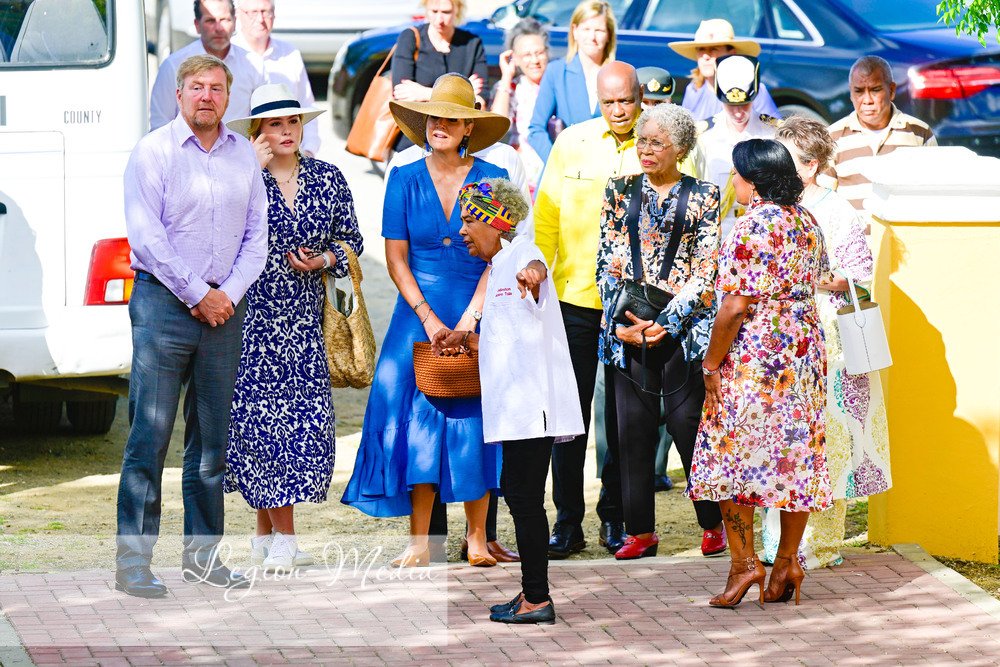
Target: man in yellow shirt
[[567, 230]]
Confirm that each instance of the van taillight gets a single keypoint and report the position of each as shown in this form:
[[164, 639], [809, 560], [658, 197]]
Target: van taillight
[[952, 83], [109, 281]]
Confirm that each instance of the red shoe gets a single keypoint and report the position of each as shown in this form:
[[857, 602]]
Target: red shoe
[[713, 543], [636, 548]]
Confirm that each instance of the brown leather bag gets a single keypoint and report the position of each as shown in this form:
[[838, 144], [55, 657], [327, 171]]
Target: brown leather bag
[[374, 130]]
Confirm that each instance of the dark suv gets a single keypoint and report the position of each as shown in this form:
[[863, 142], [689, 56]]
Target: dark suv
[[808, 47]]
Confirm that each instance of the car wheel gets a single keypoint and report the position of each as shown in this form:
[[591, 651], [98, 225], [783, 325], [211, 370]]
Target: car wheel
[[163, 33], [37, 416], [799, 110], [91, 417]]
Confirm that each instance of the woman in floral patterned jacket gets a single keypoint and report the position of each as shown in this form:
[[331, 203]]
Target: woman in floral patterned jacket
[[761, 440], [650, 361]]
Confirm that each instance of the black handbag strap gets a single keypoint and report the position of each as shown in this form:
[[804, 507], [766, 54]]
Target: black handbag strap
[[676, 231], [632, 220], [680, 218]]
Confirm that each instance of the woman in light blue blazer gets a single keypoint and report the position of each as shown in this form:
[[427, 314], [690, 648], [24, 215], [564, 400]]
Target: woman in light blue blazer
[[568, 89]]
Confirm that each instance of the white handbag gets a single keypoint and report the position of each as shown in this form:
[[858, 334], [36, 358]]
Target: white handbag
[[862, 335]]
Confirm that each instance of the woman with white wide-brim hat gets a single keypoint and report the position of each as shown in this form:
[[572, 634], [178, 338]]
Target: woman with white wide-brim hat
[[714, 38], [281, 434], [414, 448]]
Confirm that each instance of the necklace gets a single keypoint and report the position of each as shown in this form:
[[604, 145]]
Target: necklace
[[295, 172]]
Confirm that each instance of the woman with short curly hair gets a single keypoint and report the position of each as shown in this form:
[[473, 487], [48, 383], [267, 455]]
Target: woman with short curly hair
[[761, 442], [656, 359]]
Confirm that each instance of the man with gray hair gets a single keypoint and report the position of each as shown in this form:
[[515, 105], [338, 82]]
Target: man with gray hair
[[876, 127], [215, 22], [196, 217], [275, 60]]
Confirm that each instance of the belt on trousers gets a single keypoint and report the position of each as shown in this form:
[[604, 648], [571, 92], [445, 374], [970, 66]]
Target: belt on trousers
[[145, 276]]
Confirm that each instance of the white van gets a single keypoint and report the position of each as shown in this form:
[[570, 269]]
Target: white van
[[72, 106]]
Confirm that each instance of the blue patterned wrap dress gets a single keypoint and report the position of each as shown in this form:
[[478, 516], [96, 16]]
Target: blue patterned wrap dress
[[408, 438], [281, 431]]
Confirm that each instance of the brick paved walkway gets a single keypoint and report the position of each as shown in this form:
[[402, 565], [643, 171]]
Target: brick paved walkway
[[876, 608]]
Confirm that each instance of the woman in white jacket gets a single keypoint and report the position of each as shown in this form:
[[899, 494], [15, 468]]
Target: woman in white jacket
[[524, 368]]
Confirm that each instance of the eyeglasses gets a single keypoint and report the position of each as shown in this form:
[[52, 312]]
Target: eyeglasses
[[259, 13], [653, 144]]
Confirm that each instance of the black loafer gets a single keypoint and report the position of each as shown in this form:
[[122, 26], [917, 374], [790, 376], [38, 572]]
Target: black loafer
[[565, 540], [139, 582], [662, 483], [499, 608], [542, 616], [612, 535], [215, 574]]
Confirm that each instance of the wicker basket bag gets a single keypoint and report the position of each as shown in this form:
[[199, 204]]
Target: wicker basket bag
[[445, 377], [347, 331]]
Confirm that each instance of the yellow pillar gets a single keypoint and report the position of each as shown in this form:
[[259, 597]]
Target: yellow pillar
[[936, 235]]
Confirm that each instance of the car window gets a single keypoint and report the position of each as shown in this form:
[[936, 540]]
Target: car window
[[896, 15], [686, 15], [786, 25], [53, 32], [559, 12]]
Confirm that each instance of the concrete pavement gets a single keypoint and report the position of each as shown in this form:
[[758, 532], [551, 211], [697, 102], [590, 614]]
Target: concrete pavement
[[897, 607]]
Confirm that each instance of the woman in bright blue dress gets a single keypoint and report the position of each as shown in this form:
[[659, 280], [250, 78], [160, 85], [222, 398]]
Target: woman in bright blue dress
[[414, 447]]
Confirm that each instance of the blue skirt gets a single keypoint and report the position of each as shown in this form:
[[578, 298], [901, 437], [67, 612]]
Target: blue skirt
[[410, 439]]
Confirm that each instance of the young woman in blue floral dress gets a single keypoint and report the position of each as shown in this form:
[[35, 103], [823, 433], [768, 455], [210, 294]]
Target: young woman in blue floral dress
[[281, 433], [761, 438]]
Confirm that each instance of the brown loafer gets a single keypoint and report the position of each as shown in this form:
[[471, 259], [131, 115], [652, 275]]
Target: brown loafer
[[499, 552]]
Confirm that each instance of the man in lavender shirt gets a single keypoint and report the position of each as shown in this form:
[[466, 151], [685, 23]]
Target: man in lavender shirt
[[196, 214]]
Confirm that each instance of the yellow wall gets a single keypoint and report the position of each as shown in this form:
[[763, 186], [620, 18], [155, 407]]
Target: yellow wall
[[939, 288]]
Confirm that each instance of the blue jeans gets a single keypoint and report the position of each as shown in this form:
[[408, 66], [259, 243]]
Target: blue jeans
[[171, 348]]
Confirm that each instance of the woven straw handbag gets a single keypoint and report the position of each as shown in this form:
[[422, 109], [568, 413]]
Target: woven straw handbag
[[445, 377], [347, 331]]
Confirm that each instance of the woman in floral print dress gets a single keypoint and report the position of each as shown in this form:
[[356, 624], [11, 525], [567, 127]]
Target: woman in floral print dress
[[761, 439], [857, 434]]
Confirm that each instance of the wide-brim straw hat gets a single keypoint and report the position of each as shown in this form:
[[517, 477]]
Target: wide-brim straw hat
[[715, 32], [451, 97], [272, 100]]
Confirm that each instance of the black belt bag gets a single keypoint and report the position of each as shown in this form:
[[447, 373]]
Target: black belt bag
[[644, 301]]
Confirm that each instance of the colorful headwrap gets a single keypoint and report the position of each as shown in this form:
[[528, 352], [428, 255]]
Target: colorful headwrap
[[477, 200]]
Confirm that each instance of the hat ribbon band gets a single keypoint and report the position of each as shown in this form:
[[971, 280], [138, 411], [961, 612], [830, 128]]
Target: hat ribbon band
[[271, 106]]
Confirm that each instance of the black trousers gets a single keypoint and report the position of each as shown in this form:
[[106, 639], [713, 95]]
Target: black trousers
[[525, 467], [583, 327], [439, 517], [638, 418]]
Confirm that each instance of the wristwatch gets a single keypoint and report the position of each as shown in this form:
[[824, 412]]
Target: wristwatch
[[475, 314]]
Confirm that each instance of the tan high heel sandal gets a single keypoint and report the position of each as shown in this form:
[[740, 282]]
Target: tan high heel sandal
[[413, 558], [740, 566], [781, 591]]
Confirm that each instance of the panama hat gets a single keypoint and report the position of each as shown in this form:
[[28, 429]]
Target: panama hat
[[737, 79], [715, 32], [451, 97], [272, 100], [656, 82]]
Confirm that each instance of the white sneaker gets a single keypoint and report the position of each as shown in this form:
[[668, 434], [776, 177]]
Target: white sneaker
[[302, 559], [262, 544], [281, 555], [259, 548]]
